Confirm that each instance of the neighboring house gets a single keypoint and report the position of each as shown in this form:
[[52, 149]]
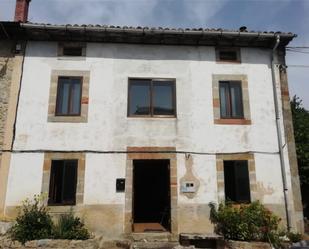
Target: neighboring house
[[139, 129]]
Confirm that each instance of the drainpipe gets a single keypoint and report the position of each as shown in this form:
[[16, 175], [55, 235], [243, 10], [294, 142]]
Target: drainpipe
[[279, 135]]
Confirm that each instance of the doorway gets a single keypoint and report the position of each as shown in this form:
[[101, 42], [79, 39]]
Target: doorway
[[151, 196]]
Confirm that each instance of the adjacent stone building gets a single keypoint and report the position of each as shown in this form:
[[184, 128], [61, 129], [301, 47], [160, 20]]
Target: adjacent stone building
[[10, 73], [138, 130]]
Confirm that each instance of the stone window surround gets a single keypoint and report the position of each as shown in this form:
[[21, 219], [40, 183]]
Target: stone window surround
[[236, 49], [153, 153], [216, 99], [55, 74], [220, 158], [48, 157]]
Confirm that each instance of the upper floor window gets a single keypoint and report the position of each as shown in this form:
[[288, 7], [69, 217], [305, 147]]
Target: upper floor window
[[152, 97], [228, 54], [69, 96], [231, 104], [63, 181], [71, 49], [236, 181]]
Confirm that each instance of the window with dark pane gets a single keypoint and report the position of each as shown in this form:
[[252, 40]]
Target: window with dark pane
[[63, 180], [139, 91], [231, 104], [236, 181], [69, 96], [163, 98], [72, 51], [151, 97], [228, 55]]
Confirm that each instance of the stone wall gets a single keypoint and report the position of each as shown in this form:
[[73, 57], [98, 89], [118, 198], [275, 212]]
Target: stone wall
[[95, 243], [243, 245], [6, 68]]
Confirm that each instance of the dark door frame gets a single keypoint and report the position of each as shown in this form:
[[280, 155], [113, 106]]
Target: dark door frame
[[151, 153], [165, 163]]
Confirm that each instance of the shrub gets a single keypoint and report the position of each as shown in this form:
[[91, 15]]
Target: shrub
[[70, 227], [294, 237], [32, 222], [245, 222]]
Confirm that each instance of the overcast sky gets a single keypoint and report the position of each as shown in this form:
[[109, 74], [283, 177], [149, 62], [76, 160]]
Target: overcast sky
[[259, 15]]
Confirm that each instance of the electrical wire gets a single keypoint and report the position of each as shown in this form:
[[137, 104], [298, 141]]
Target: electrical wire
[[300, 66], [296, 51], [138, 151], [18, 94], [298, 47]]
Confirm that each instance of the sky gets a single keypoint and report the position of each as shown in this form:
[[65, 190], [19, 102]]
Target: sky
[[258, 15]]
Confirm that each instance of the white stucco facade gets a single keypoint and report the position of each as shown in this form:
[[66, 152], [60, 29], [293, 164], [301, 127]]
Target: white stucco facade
[[109, 129]]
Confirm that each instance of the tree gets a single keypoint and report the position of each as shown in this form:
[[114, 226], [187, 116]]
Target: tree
[[301, 133]]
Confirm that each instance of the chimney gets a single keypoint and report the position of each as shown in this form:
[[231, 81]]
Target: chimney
[[21, 11]]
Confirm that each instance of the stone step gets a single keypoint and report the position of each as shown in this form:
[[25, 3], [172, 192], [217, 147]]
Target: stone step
[[156, 245], [151, 237], [199, 240]]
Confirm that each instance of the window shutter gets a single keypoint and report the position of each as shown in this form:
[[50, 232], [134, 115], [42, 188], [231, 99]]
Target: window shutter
[[69, 182]]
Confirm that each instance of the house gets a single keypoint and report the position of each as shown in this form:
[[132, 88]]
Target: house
[[139, 129]]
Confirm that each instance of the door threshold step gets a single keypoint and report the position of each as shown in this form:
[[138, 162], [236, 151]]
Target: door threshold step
[[152, 237], [148, 227], [155, 245]]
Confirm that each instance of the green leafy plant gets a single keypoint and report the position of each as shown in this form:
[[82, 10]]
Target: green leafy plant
[[294, 237], [32, 222], [70, 227], [245, 222]]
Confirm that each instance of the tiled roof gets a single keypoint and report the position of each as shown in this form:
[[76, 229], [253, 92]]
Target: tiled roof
[[156, 28], [146, 35], [167, 29]]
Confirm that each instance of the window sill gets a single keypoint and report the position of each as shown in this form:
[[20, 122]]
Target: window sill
[[154, 117], [60, 204], [232, 121], [67, 119], [56, 209], [228, 62], [72, 58]]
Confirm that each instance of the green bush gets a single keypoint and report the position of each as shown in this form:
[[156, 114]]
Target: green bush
[[33, 222], [245, 222], [70, 227], [294, 237]]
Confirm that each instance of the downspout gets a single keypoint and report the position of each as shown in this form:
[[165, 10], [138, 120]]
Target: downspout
[[279, 135]]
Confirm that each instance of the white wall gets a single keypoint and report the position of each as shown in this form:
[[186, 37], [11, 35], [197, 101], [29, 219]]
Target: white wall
[[25, 177], [109, 128], [100, 178]]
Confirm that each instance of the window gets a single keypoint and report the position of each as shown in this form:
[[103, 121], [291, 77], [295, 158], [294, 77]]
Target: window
[[231, 105], [69, 96], [67, 50], [228, 55], [151, 97], [72, 51], [236, 181], [63, 181]]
